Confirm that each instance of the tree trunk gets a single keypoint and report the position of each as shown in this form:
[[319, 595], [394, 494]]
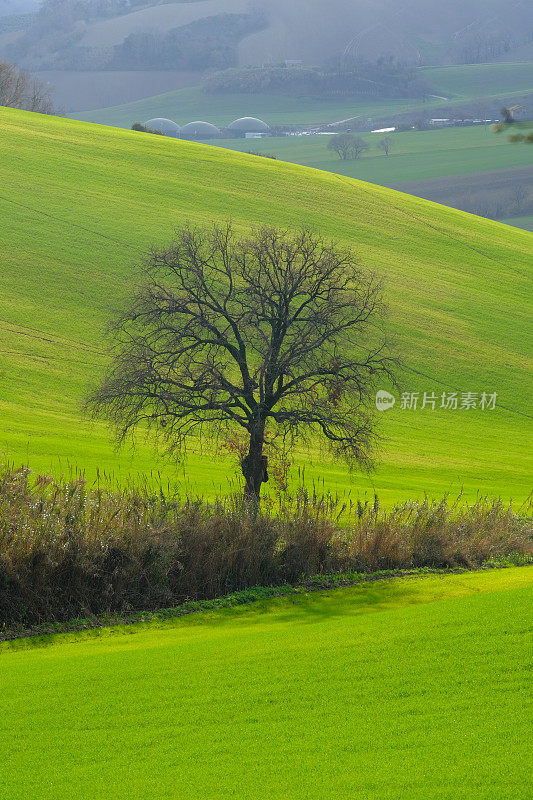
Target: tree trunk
[[254, 465]]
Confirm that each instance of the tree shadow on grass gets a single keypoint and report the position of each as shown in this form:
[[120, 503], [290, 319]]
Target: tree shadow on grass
[[313, 607]]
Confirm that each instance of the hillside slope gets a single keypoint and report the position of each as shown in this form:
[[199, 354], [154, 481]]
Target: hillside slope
[[480, 88], [81, 203], [468, 168], [355, 693], [416, 32]]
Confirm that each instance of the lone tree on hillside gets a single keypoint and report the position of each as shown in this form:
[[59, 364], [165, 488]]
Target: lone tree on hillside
[[385, 144], [347, 146], [19, 90], [272, 334]]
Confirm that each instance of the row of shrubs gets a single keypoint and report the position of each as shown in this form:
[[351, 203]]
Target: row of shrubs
[[69, 550]]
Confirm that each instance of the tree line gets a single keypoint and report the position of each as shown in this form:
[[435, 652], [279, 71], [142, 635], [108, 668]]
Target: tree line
[[206, 43], [383, 78], [18, 89], [53, 39]]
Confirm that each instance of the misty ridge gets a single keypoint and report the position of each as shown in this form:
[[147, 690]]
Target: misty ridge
[[211, 35]]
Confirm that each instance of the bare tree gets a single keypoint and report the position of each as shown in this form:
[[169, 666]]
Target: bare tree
[[359, 146], [19, 90], [385, 144], [518, 196], [347, 146], [271, 334]]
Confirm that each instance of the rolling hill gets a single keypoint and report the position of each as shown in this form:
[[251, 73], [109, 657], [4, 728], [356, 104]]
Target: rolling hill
[[414, 685], [461, 31], [468, 168], [81, 203], [474, 85], [414, 155], [416, 31]]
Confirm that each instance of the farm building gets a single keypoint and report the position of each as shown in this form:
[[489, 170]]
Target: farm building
[[166, 126], [199, 130], [248, 125]]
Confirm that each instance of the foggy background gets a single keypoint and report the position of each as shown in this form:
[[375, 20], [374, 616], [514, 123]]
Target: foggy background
[[105, 52]]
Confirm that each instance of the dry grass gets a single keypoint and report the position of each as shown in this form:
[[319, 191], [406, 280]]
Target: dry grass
[[69, 550]]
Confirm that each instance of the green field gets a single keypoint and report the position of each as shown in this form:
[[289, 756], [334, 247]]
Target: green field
[[186, 105], [481, 80], [414, 155], [80, 204], [521, 222], [456, 84], [415, 688]]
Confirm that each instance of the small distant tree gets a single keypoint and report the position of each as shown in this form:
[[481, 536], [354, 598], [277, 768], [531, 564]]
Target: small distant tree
[[347, 146], [518, 131], [385, 145], [19, 90], [141, 128], [341, 143], [272, 335], [359, 146]]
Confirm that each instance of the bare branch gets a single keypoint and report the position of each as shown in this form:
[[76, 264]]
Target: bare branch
[[274, 332]]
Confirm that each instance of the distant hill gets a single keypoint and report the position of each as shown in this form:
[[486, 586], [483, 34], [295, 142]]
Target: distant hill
[[81, 203], [111, 34], [170, 41], [414, 31], [467, 168], [475, 89], [199, 35]]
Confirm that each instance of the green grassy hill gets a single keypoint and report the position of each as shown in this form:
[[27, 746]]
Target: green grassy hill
[[414, 155], [472, 81], [468, 168], [186, 105], [81, 203], [412, 686], [452, 86]]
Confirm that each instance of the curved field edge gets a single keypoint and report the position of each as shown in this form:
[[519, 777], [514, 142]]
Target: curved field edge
[[82, 203], [417, 685], [256, 597]]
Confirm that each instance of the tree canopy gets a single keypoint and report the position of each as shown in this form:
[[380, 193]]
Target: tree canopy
[[273, 334], [347, 146]]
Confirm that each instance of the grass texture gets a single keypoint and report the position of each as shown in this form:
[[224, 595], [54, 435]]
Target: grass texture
[[411, 687], [452, 86], [414, 155], [81, 203]]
